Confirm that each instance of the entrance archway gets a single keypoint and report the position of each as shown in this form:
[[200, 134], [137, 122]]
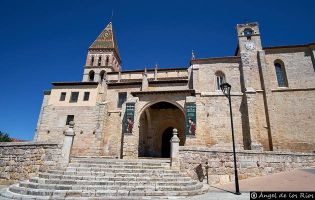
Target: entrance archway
[[156, 129]]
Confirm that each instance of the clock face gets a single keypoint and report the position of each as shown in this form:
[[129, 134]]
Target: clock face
[[249, 46]]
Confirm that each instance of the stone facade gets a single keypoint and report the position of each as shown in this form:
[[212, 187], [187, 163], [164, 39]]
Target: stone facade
[[267, 115], [250, 163], [23, 160]]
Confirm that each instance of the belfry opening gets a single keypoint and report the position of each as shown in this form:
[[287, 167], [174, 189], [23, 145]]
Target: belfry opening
[[156, 129]]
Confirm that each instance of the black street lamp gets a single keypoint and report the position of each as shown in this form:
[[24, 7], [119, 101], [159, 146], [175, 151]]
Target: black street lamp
[[226, 89]]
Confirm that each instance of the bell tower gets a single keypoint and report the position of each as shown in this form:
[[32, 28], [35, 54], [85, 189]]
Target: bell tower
[[249, 44], [102, 56]]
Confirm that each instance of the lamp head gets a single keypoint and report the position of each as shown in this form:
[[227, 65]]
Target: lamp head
[[226, 89]]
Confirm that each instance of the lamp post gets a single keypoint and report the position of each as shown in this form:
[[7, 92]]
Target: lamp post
[[226, 89]]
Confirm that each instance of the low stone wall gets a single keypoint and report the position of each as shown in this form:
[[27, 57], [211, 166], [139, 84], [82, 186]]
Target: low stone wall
[[21, 160], [249, 163]]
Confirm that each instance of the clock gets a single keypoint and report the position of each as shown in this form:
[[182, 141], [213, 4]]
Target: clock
[[249, 45]]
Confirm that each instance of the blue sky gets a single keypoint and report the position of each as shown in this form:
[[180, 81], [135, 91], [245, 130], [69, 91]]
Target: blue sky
[[46, 41]]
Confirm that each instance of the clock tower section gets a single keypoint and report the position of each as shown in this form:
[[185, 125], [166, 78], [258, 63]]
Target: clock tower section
[[255, 88], [102, 57], [249, 45]]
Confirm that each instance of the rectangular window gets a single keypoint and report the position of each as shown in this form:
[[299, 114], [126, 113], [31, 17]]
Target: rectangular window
[[69, 119], [122, 97], [86, 96], [62, 96], [74, 97]]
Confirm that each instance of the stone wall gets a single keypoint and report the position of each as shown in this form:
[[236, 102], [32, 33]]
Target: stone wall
[[250, 163], [89, 122], [21, 160], [294, 116]]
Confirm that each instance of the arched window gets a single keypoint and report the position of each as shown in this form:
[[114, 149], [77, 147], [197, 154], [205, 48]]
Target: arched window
[[281, 75], [102, 75], [99, 61], [107, 61], [219, 78], [91, 75], [92, 61]]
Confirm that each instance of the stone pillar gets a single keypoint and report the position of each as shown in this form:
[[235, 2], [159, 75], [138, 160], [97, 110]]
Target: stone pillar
[[67, 143], [175, 150]]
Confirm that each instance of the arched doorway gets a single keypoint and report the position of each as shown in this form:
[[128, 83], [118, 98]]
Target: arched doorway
[[156, 129]]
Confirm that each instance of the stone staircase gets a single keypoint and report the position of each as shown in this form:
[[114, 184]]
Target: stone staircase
[[103, 178]]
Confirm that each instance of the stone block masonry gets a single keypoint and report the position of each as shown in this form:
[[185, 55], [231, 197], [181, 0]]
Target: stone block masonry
[[249, 163], [22, 160]]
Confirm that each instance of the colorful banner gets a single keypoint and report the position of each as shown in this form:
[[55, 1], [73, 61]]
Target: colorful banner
[[129, 116], [190, 121]]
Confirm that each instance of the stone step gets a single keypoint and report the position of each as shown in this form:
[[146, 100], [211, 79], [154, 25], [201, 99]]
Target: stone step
[[121, 161], [107, 178], [105, 192], [123, 165], [98, 169], [183, 179], [175, 182], [106, 175], [116, 170], [130, 186], [133, 195]]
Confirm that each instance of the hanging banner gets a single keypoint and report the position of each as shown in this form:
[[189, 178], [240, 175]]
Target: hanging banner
[[190, 120], [129, 116]]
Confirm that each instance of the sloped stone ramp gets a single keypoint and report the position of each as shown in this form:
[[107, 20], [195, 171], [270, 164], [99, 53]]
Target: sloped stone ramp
[[103, 178]]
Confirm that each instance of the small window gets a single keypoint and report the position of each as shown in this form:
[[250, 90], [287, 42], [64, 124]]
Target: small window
[[99, 61], [92, 61], [74, 97], [62, 96], [122, 97], [107, 61], [220, 78], [281, 75], [91, 75], [102, 75], [86, 96], [69, 119]]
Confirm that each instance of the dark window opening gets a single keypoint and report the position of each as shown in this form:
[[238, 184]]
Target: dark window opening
[[62, 96], [91, 75], [92, 60], [74, 97], [281, 75], [107, 61], [122, 97], [102, 75], [86, 96], [248, 32], [69, 119], [220, 78], [99, 61]]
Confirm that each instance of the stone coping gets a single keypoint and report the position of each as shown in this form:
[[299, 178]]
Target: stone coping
[[206, 149], [7, 144], [219, 93], [286, 89]]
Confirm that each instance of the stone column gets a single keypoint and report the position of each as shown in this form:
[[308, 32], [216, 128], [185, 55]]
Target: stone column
[[175, 150], [67, 143]]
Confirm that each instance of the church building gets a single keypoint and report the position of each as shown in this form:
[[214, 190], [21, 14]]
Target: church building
[[132, 113]]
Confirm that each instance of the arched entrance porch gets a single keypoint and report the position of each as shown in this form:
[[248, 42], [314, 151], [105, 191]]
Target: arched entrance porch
[[155, 131]]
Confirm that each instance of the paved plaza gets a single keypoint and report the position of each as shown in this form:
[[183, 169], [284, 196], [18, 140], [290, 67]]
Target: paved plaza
[[296, 180]]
